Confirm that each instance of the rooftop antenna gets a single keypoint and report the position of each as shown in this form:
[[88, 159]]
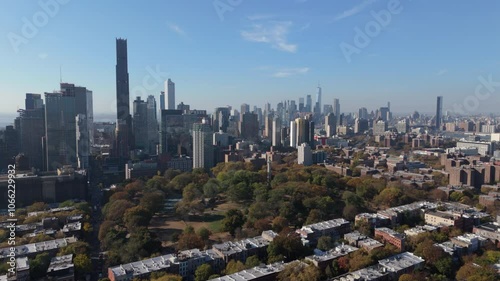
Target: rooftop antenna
[[60, 74]]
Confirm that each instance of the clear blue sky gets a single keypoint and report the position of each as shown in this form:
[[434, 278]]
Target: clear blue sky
[[258, 51]]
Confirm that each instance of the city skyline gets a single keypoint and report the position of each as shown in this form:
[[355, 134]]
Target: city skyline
[[271, 55]]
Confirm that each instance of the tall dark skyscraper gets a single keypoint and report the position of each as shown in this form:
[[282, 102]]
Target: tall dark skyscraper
[[123, 118], [32, 130], [33, 101], [439, 112]]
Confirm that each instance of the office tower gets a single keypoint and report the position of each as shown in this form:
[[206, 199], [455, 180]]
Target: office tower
[[389, 105], [61, 112], [244, 109], [162, 100], [83, 105], [221, 139], [10, 146], [203, 151], [220, 119], [384, 114], [184, 107], [170, 90], [301, 105], [360, 125], [363, 113], [249, 126], [439, 113], [33, 101], [293, 134], [31, 129], [336, 110], [304, 155], [82, 141], [317, 107], [267, 108], [140, 124], [276, 132], [152, 124], [60, 130], [268, 126], [258, 111], [308, 103], [123, 119], [327, 108], [330, 125], [171, 123]]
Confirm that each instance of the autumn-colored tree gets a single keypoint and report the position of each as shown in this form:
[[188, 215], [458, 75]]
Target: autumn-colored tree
[[136, 216], [83, 264], [279, 223], [114, 210], [299, 271], [37, 207], [190, 241], [359, 259], [234, 266], [429, 252], [168, 277], [473, 272]]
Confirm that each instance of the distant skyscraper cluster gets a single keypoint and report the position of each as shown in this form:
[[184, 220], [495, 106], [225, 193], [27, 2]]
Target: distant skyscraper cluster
[[61, 131]]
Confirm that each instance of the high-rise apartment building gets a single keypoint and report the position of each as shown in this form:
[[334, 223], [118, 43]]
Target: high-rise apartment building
[[304, 155], [276, 133], [140, 124], [203, 151], [293, 134], [360, 125], [162, 100], [220, 119], [330, 124], [379, 128], [152, 124], [170, 90], [268, 126], [83, 149], [249, 126], [124, 142], [336, 110], [439, 113]]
